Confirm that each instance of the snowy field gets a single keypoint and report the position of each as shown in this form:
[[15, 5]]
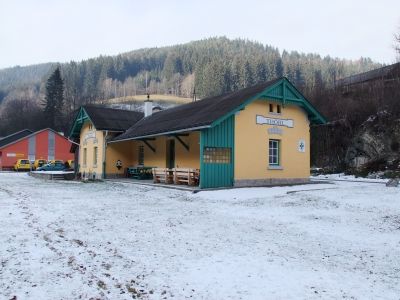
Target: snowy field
[[69, 240]]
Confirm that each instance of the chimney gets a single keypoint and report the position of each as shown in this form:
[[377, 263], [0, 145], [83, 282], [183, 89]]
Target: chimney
[[148, 106]]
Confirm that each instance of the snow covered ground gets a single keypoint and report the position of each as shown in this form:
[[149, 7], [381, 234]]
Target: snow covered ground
[[69, 240]]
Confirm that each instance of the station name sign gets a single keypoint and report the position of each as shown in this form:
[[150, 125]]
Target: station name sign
[[275, 122], [90, 135]]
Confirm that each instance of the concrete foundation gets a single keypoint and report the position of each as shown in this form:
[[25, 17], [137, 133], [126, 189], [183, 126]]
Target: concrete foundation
[[53, 176], [270, 182]]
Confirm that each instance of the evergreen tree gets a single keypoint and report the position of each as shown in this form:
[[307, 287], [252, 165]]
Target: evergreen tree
[[260, 73], [247, 75], [54, 100]]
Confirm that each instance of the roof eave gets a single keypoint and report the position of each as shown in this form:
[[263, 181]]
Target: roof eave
[[161, 134]]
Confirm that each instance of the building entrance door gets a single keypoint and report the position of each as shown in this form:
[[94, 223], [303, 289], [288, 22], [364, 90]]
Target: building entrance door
[[170, 154]]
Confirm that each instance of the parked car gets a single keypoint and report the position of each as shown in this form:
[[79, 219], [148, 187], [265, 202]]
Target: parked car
[[22, 165], [38, 163], [54, 161], [52, 167]]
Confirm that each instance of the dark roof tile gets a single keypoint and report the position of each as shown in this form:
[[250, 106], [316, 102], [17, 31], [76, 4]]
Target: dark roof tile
[[112, 119], [192, 115], [387, 71], [14, 137]]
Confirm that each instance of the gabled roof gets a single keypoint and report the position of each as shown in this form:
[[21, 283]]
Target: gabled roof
[[208, 112], [28, 134], [104, 118], [9, 139]]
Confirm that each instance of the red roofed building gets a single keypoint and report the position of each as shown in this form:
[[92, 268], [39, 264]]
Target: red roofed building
[[43, 144]]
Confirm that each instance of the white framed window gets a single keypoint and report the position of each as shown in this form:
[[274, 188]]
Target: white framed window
[[274, 153]]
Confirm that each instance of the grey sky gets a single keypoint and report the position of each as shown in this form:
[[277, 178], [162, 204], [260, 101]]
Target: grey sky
[[36, 31]]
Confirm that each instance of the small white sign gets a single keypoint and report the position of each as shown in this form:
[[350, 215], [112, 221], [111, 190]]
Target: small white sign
[[11, 155], [275, 122], [301, 146], [275, 130], [90, 135]]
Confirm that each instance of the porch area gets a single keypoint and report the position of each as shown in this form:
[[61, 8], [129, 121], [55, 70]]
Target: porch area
[[163, 160], [202, 158]]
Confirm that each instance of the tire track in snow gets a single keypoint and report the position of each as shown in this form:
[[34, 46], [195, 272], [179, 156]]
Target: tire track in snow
[[58, 243]]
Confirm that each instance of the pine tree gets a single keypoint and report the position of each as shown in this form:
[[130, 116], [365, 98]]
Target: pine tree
[[54, 100]]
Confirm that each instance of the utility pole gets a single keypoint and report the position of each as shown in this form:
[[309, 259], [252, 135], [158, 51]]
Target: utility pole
[[146, 82], [194, 95]]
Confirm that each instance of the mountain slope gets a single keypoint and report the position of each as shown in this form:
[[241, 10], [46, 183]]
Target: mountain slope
[[208, 67]]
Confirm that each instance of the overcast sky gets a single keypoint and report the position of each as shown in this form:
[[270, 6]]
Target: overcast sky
[[36, 31]]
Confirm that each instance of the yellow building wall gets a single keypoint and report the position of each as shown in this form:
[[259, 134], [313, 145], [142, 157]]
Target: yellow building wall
[[89, 139], [252, 143], [191, 158], [158, 158], [126, 152]]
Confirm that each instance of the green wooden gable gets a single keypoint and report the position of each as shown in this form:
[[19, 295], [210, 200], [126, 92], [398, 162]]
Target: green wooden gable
[[80, 119], [284, 92]]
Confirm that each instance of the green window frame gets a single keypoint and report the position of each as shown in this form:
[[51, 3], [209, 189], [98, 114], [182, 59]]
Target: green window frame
[[274, 158]]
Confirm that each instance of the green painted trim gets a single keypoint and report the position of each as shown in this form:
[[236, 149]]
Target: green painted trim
[[313, 114], [233, 150], [201, 184], [80, 119], [244, 104], [283, 93]]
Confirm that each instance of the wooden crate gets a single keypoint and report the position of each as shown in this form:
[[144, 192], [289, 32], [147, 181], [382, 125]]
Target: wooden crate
[[162, 175], [186, 176]]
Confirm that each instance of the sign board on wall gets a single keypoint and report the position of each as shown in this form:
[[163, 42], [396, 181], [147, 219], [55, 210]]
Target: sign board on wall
[[10, 154], [275, 122], [90, 135], [275, 130], [301, 145]]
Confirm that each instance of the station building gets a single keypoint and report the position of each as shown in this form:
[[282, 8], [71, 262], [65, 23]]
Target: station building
[[256, 136], [92, 128]]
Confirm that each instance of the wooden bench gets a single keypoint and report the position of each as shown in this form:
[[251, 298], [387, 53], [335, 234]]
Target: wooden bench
[[186, 176], [162, 175]]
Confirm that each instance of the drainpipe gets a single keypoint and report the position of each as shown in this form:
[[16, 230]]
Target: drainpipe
[[104, 154]]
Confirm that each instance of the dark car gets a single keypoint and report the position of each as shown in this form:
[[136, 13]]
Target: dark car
[[52, 167]]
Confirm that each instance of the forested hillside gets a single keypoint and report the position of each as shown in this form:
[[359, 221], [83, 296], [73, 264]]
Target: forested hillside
[[208, 67]]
